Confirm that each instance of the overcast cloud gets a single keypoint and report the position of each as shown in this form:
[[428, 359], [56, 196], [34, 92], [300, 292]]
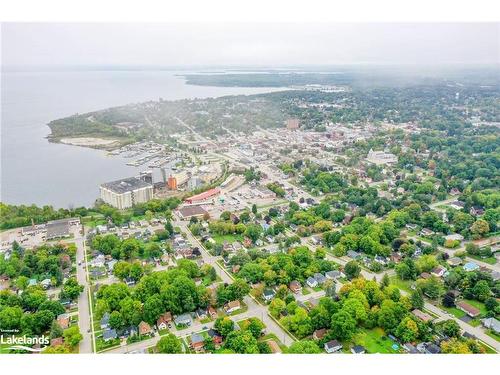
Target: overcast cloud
[[25, 44]]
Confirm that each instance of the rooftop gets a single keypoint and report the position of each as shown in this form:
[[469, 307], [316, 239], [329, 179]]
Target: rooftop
[[125, 185]]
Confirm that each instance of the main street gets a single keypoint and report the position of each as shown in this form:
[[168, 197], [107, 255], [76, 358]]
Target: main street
[[84, 314]]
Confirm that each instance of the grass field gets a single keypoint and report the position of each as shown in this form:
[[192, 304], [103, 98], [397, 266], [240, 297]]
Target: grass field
[[230, 238], [374, 340], [489, 260], [401, 284]]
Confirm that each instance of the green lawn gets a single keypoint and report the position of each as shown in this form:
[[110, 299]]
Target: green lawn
[[230, 238], [490, 260], [457, 313], [374, 340], [492, 334], [401, 284]]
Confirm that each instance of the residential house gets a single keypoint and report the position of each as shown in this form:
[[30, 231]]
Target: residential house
[[232, 306], [421, 315], [353, 254], [319, 278], [212, 312], [332, 346], [476, 211], [333, 275], [184, 319], [197, 342], [468, 309], [358, 349], [164, 320], [63, 320], [109, 334], [268, 294], [491, 323], [454, 261], [311, 282], [295, 287], [105, 321], [319, 334], [438, 271], [145, 328]]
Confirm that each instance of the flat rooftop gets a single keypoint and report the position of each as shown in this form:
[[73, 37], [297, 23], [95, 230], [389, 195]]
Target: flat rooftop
[[125, 185]]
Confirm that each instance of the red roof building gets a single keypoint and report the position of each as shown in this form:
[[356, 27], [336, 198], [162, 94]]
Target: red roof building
[[203, 196]]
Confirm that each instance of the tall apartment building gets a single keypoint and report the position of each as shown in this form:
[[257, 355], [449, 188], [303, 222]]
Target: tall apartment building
[[126, 192]]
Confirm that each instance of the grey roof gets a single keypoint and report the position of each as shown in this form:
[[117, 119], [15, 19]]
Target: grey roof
[[108, 334], [183, 319], [57, 228], [196, 337], [125, 185]]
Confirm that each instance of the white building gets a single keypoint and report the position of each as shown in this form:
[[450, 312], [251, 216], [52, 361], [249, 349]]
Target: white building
[[126, 192], [381, 157]]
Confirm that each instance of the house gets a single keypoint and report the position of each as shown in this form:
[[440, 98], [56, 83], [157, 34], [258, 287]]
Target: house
[[431, 348], [410, 349], [421, 315], [333, 275], [358, 349], [457, 205], [455, 191], [476, 211], [311, 282], [197, 342], [454, 237], [109, 334], [438, 271], [470, 266], [232, 306], [319, 278], [333, 346], [184, 319], [411, 226], [454, 261], [381, 260], [212, 312], [491, 323], [268, 294], [145, 328], [295, 287], [426, 232], [105, 321], [273, 345], [319, 334], [46, 284], [468, 309], [353, 254], [63, 320], [56, 341], [164, 320], [216, 336], [201, 313]]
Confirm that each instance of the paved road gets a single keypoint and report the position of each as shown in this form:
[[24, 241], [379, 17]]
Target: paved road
[[84, 319]]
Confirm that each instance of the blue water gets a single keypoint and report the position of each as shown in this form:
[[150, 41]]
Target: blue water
[[36, 171]]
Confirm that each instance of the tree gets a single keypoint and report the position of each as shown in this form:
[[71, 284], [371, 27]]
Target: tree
[[455, 346], [352, 269], [480, 228], [242, 342], [72, 336], [116, 320], [449, 300], [224, 326], [304, 347], [254, 209], [169, 344], [417, 299], [451, 328], [255, 326], [71, 289], [10, 317], [55, 330], [253, 231], [407, 330], [276, 306], [153, 308], [343, 325], [385, 281], [481, 290]]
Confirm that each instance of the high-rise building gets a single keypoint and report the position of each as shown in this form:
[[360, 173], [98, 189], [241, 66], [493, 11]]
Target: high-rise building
[[126, 192]]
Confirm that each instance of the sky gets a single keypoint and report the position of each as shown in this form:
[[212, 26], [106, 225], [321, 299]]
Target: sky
[[247, 44]]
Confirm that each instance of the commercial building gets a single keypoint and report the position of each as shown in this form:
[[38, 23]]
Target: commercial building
[[381, 157], [203, 196], [172, 183], [126, 192]]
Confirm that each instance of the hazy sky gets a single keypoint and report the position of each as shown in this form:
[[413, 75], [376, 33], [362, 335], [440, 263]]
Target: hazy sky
[[247, 44]]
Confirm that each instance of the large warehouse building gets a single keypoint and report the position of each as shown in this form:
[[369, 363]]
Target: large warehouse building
[[126, 192]]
